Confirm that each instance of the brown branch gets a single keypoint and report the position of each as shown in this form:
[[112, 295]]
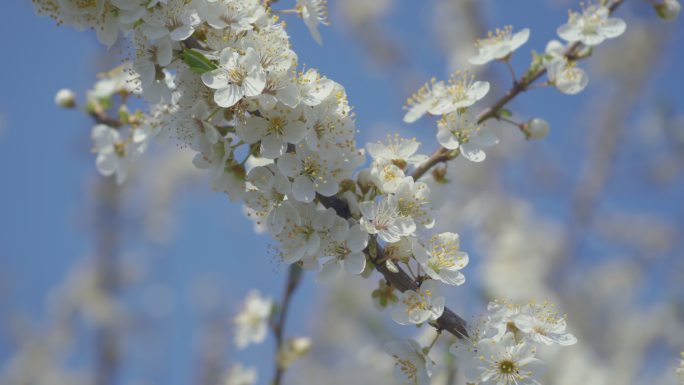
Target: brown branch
[[449, 320], [294, 276], [442, 155]]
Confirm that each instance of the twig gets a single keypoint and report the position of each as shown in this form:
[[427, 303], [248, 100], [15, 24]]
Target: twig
[[294, 276]]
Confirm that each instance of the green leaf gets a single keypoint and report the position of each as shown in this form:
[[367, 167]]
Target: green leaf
[[504, 113], [197, 62]]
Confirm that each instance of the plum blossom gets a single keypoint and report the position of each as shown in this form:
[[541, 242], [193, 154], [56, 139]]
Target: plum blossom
[[422, 305], [503, 362], [237, 76], [456, 131], [592, 26], [423, 100], [345, 247], [113, 152], [412, 366], [274, 130], [399, 151], [384, 219], [176, 19], [441, 258], [498, 45], [240, 375], [564, 74], [313, 12], [251, 323], [463, 91]]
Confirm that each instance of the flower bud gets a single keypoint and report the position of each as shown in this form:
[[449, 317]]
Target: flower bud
[[292, 350], [668, 9], [65, 98], [537, 128]]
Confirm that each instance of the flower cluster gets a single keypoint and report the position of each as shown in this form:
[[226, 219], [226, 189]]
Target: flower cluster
[[501, 348], [223, 81]]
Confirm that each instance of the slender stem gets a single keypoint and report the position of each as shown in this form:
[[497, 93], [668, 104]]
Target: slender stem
[[522, 84], [294, 277], [511, 70], [434, 341], [449, 320]]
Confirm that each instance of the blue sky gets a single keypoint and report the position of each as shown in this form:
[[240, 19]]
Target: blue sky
[[46, 166]]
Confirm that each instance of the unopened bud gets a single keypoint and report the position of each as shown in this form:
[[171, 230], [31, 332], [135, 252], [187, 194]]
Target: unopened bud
[[668, 9], [536, 128], [65, 98], [292, 350]]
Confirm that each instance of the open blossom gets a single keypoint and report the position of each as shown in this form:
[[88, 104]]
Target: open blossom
[[441, 258], [251, 323], [498, 45], [416, 307], [302, 239], [345, 247], [239, 375], [592, 26], [424, 100], [176, 19], [235, 16], [456, 131], [312, 172], [274, 130], [384, 219], [502, 362], [463, 91], [266, 196], [398, 151], [537, 323], [437, 97], [387, 176], [412, 366], [564, 74], [313, 12], [237, 76], [112, 152]]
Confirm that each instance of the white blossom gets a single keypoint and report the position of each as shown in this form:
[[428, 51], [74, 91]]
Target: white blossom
[[456, 131], [441, 258], [416, 307], [564, 74], [239, 375], [177, 19], [499, 45], [237, 76], [398, 151], [274, 130], [251, 323], [345, 247], [412, 366], [592, 26], [113, 152], [314, 12], [384, 219], [503, 362]]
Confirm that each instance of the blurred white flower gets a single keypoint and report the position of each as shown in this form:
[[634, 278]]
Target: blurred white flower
[[239, 375], [412, 366], [251, 323], [416, 307], [592, 26], [498, 45]]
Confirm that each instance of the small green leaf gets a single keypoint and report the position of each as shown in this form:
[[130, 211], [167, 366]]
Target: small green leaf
[[197, 62], [504, 113]]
